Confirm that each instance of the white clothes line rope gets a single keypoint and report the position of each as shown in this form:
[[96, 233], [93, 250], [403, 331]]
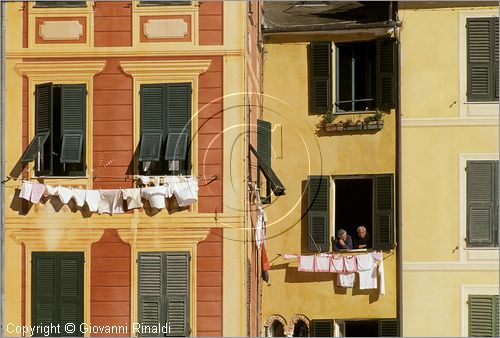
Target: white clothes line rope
[[110, 201]]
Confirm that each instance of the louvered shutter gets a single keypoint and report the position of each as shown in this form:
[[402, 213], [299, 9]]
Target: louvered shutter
[[482, 59], [73, 112], [388, 328], [44, 304], [483, 315], [176, 147], [43, 126], [152, 122], [482, 223], [318, 215], [320, 76], [264, 151], [177, 292], [386, 71], [164, 3], [384, 201], [152, 298], [71, 290], [322, 328]]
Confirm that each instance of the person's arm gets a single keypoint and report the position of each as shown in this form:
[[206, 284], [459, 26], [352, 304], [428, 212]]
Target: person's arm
[[348, 243]]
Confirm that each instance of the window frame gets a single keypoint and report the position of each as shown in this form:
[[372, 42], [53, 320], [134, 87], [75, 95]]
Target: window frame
[[467, 290], [471, 108], [157, 3], [60, 4]]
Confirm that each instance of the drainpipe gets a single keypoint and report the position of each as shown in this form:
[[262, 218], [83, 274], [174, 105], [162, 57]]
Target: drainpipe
[[2, 163], [399, 223]]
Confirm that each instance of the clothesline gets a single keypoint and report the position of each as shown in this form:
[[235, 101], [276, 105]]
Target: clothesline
[[110, 201]]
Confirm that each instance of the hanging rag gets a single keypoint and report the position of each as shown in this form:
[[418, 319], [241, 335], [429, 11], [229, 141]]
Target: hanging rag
[[322, 263], [155, 196], [337, 264], [345, 280], [26, 189], [133, 198], [79, 196], [350, 264], [37, 192], [92, 198], [306, 263]]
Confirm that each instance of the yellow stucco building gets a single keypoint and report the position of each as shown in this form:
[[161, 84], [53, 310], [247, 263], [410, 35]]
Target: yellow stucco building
[[449, 106]]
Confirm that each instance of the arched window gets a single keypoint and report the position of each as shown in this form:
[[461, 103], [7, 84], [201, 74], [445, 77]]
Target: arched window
[[277, 329], [300, 329]]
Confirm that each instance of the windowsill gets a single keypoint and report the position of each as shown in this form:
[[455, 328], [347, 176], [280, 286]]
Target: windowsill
[[481, 102], [481, 254], [356, 112], [62, 177], [44, 7]]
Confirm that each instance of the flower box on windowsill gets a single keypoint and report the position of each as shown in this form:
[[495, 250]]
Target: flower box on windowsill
[[339, 126]]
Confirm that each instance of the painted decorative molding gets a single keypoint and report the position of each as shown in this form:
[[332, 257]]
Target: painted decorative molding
[[57, 239], [185, 68], [165, 28], [290, 328], [450, 122], [62, 69], [160, 238], [450, 266], [61, 30], [269, 321]]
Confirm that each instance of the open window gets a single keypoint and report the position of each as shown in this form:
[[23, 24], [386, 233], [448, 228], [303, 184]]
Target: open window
[[367, 328], [58, 147], [165, 129]]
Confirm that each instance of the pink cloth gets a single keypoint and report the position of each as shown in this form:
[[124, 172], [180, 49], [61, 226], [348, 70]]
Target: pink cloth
[[365, 262], [289, 256], [26, 190], [350, 264], [37, 192], [345, 280], [306, 263], [322, 264], [337, 264]]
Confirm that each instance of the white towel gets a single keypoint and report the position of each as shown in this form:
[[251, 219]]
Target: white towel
[[381, 276], [368, 279], [365, 262], [92, 198], [144, 180], [133, 198], [306, 263], [337, 264], [110, 202], [26, 189], [322, 263], [52, 191], [79, 195], [65, 194], [350, 264], [186, 193], [155, 196], [345, 280], [37, 192]]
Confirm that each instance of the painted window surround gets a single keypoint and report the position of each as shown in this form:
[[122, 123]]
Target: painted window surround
[[465, 291], [471, 109], [47, 12], [69, 72], [470, 254], [192, 10]]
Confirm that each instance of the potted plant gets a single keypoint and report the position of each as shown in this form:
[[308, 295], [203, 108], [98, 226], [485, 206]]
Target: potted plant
[[328, 121], [374, 121]]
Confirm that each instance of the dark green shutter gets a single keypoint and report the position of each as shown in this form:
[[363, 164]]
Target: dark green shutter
[[152, 297], [35, 147], [57, 289], [178, 103], [482, 59], [388, 328], [318, 213], [61, 4], [386, 71], [43, 125], [482, 203], [264, 151], [177, 291], [152, 121], [73, 113], [320, 76], [176, 147], [322, 328], [483, 315], [384, 220]]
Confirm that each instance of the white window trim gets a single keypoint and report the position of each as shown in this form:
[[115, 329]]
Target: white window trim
[[465, 291], [470, 109], [471, 254]]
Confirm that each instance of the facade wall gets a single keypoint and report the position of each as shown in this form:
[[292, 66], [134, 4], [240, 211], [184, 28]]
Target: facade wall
[[112, 36], [440, 132]]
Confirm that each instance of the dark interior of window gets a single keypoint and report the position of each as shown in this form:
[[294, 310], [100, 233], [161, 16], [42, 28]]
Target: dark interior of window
[[353, 205], [355, 77], [361, 328], [163, 3], [300, 329], [277, 329], [60, 4]]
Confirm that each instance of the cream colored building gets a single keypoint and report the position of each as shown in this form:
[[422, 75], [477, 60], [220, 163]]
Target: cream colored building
[[449, 106]]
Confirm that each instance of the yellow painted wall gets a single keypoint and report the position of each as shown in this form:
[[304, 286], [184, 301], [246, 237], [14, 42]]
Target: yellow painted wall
[[437, 135], [300, 149]]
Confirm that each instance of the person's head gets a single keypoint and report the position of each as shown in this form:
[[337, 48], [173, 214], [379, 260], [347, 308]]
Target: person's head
[[342, 234], [361, 230]]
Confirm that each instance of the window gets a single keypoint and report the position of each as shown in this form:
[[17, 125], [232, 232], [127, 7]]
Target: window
[[264, 151], [60, 4], [365, 76], [57, 290], [58, 147], [368, 328], [483, 315], [165, 129], [365, 201], [482, 203], [322, 328], [163, 3], [164, 293], [482, 59]]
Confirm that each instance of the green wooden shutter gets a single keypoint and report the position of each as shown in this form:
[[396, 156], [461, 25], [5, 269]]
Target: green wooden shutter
[[43, 125], [73, 115], [322, 328], [383, 203], [482, 223], [482, 59], [264, 151], [152, 121], [35, 146], [44, 303], [318, 213], [388, 328], [386, 71], [152, 297], [483, 315], [176, 147], [178, 103], [71, 290], [177, 292], [320, 76]]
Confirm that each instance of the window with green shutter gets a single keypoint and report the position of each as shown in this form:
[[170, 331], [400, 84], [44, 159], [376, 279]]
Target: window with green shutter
[[164, 293], [483, 315], [264, 151], [384, 211], [321, 328], [165, 129], [482, 59], [49, 3], [320, 76], [57, 290], [482, 203], [58, 147], [318, 213]]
